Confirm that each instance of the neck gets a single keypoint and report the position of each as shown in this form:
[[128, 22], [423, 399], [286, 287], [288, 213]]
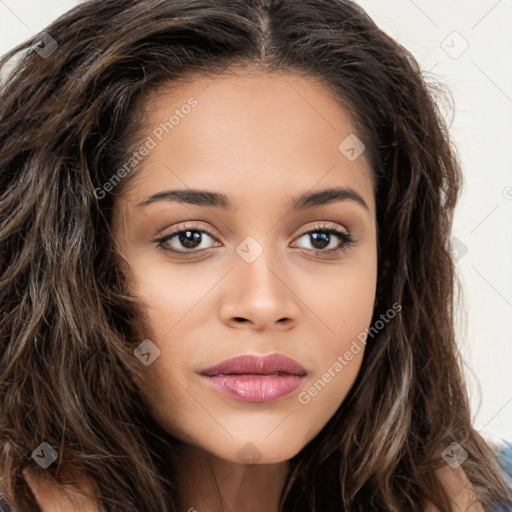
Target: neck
[[210, 484]]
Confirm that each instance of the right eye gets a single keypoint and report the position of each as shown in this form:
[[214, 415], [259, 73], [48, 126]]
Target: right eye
[[184, 239]]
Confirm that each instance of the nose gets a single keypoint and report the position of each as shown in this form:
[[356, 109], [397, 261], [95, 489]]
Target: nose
[[260, 296]]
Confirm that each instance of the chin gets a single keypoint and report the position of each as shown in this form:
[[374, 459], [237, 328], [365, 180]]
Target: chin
[[256, 451]]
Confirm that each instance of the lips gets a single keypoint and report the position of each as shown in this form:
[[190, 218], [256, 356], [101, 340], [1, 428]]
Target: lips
[[256, 365], [252, 378]]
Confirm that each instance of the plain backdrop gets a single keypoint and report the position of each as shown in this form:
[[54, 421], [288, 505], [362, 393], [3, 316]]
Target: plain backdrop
[[466, 44]]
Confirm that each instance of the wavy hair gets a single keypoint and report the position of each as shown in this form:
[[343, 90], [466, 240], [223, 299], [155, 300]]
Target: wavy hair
[[68, 376]]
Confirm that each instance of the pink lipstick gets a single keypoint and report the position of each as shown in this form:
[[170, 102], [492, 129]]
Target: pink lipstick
[[253, 378]]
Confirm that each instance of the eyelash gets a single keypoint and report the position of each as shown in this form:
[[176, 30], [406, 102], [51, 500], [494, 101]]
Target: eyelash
[[346, 239]]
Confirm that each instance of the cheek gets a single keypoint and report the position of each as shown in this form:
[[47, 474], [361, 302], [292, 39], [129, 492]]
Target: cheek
[[342, 300], [170, 293], [344, 303], [350, 310], [339, 351]]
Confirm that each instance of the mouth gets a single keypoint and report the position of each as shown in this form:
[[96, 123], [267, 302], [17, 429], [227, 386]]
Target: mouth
[[253, 378]]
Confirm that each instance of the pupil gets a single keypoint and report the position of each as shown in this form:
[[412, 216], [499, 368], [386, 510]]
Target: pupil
[[190, 238], [316, 238]]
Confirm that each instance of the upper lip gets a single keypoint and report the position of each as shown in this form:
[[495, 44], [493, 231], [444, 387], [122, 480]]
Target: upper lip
[[262, 365]]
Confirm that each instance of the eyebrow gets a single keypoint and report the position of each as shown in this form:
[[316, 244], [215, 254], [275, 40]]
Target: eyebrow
[[218, 200]]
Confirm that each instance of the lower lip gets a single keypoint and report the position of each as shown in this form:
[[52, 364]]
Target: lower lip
[[255, 388]]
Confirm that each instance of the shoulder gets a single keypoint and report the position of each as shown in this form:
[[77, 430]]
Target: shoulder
[[70, 498], [458, 487]]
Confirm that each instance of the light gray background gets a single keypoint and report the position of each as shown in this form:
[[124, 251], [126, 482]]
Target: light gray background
[[437, 32]]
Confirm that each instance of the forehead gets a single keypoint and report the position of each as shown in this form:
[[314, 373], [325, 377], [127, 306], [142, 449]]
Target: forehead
[[248, 132], [264, 102]]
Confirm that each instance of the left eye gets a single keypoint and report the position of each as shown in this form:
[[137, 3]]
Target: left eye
[[321, 239]]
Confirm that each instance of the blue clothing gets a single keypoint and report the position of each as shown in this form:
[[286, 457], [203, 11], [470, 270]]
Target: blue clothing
[[505, 460]]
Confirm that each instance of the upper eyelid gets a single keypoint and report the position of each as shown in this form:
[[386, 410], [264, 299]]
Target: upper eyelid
[[180, 229], [319, 226]]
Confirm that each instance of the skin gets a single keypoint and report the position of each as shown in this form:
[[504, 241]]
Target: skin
[[54, 497], [260, 139]]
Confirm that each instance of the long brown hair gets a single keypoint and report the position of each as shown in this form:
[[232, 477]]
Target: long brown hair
[[68, 376]]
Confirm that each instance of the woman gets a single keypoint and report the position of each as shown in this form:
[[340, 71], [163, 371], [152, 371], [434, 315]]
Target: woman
[[226, 280]]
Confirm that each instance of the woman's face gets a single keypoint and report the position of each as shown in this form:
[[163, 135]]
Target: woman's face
[[244, 277]]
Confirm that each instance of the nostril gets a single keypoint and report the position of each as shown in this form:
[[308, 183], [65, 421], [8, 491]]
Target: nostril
[[240, 319]]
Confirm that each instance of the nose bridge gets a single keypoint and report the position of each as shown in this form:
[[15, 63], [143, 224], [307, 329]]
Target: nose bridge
[[261, 294], [257, 267]]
